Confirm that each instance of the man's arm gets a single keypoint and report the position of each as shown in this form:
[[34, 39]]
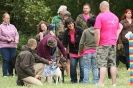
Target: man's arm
[[62, 48], [97, 36], [119, 30], [97, 26], [78, 23], [40, 59]]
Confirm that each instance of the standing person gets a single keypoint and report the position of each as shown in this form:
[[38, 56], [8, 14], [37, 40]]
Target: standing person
[[41, 30], [71, 41], [9, 39], [58, 20], [66, 16], [87, 47], [81, 20], [107, 32], [127, 22], [29, 65]]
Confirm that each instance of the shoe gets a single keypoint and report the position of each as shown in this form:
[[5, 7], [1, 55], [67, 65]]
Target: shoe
[[74, 82], [5, 76], [114, 85]]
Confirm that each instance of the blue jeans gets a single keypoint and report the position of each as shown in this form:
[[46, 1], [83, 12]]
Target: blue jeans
[[90, 62], [8, 54], [73, 69]]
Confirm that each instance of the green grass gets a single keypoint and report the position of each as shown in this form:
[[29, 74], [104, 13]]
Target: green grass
[[122, 82]]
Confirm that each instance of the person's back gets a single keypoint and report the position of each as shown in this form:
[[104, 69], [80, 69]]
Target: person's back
[[87, 40], [24, 55], [106, 33], [90, 40], [43, 50], [87, 48], [108, 23], [22, 71]]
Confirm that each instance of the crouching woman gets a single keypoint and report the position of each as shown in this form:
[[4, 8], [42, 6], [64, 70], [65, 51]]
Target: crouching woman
[[28, 70]]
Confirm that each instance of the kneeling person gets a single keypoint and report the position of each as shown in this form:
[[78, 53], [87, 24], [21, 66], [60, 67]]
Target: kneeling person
[[28, 71]]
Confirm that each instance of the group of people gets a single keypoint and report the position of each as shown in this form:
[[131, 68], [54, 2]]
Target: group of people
[[89, 42]]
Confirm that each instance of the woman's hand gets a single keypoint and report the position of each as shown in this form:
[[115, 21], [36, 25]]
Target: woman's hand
[[41, 33], [9, 40]]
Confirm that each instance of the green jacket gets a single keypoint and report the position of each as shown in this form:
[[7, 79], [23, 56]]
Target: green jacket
[[59, 26], [87, 40], [80, 21]]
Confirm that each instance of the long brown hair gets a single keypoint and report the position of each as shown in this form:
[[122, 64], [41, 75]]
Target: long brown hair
[[39, 26], [126, 11]]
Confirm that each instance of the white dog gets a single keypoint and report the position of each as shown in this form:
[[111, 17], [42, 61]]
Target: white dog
[[53, 72]]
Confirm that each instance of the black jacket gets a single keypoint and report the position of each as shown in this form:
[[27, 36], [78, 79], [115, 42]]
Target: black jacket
[[73, 48]]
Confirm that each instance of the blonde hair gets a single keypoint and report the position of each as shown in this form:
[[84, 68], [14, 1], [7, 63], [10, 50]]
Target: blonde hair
[[104, 4], [5, 14], [31, 42], [62, 8]]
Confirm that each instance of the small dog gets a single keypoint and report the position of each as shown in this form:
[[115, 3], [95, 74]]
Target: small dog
[[53, 72], [57, 74]]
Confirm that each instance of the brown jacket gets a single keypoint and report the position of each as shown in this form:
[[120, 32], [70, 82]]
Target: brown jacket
[[25, 61], [126, 27]]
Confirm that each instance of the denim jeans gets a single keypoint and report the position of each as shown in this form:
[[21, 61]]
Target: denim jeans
[[73, 69], [90, 62], [8, 54], [126, 48]]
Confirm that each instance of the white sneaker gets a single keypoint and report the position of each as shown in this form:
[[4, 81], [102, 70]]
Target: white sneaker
[[114, 85], [5, 76]]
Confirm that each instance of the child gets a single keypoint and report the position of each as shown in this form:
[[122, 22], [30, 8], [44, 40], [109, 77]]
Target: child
[[87, 47], [28, 71]]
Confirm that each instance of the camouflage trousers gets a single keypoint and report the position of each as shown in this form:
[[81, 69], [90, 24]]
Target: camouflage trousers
[[106, 56]]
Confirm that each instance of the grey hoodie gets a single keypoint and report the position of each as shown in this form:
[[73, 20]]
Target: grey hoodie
[[87, 40]]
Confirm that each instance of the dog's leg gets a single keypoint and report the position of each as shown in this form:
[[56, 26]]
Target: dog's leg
[[62, 71], [49, 79], [60, 78], [56, 79]]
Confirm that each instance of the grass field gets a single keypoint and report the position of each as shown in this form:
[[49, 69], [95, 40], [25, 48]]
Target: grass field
[[122, 82]]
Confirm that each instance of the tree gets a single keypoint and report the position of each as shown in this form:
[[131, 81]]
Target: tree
[[27, 14]]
